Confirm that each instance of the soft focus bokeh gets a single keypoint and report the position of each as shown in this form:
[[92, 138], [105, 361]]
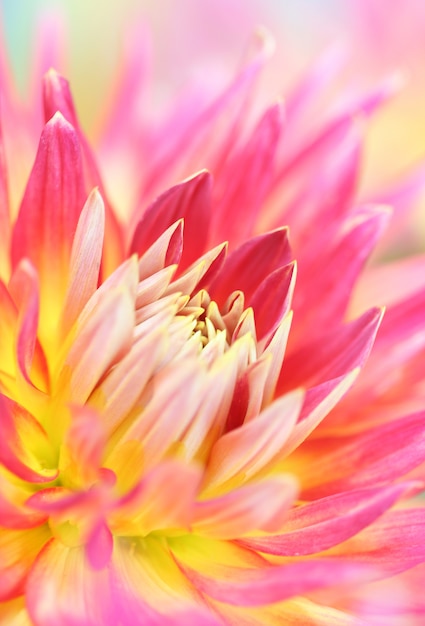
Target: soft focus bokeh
[[204, 40]]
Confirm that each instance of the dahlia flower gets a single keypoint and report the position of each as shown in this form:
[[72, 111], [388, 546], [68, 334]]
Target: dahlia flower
[[192, 430]]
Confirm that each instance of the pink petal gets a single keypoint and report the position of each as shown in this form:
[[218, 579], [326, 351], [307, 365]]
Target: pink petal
[[62, 586], [319, 402], [190, 200], [215, 127], [57, 97], [85, 259], [395, 543], [247, 180], [378, 282], [257, 587], [242, 453], [52, 204], [385, 452], [345, 257], [100, 546], [4, 212], [118, 392], [165, 251], [101, 340], [86, 440], [179, 390], [201, 272], [247, 267], [319, 525], [273, 298], [262, 505], [134, 590], [334, 354], [32, 363]]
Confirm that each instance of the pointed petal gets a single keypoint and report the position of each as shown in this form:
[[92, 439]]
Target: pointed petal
[[395, 543], [201, 272], [248, 266], [57, 97], [190, 200], [85, 260], [246, 181], [272, 300], [164, 251], [119, 391], [323, 273], [262, 505], [334, 354], [319, 525], [319, 402], [52, 203], [262, 586], [242, 453], [103, 337], [179, 390], [385, 452]]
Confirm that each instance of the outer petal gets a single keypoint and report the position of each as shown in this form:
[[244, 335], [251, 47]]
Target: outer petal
[[241, 189], [51, 205], [57, 97], [383, 453], [319, 525], [396, 542], [262, 586], [332, 355], [332, 269]]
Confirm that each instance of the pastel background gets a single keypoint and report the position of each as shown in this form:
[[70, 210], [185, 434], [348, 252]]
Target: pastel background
[[206, 38]]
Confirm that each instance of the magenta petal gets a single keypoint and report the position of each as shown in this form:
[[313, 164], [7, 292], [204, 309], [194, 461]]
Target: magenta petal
[[52, 203], [190, 200], [246, 268], [272, 299]]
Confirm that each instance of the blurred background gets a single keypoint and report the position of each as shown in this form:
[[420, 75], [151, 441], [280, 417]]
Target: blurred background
[[206, 38]]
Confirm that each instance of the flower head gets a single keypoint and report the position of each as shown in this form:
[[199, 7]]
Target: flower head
[[184, 438]]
